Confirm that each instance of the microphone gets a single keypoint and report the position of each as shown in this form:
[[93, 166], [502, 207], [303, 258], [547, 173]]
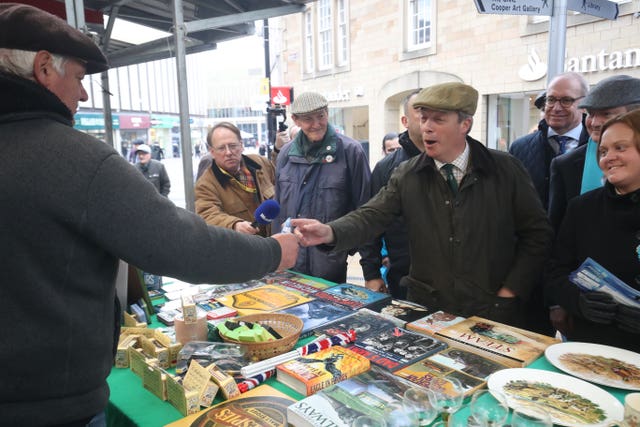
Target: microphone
[[266, 212]]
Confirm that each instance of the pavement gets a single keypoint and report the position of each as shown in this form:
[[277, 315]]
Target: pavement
[[177, 196]]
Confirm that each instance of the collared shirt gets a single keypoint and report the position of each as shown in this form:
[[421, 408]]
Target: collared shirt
[[574, 134], [460, 165]]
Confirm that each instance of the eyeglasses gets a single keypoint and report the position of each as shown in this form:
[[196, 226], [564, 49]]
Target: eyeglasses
[[565, 101], [391, 149], [231, 147]]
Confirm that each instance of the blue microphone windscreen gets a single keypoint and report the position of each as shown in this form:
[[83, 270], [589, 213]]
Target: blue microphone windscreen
[[267, 212]]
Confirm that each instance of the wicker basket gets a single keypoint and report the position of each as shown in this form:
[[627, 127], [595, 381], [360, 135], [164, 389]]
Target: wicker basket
[[287, 325]]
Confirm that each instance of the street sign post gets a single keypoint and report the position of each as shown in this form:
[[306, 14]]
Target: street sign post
[[601, 8], [515, 7]]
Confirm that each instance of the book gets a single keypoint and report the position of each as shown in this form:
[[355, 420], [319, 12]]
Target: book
[[432, 323], [382, 341], [261, 406], [220, 290], [505, 344], [472, 370], [353, 296], [263, 299], [302, 286], [403, 311], [591, 276], [316, 313], [313, 372], [369, 393]]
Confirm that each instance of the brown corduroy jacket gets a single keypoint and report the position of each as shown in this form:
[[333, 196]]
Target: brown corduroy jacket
[[220, 201]]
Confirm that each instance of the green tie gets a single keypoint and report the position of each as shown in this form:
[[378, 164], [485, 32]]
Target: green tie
[[451, 179]]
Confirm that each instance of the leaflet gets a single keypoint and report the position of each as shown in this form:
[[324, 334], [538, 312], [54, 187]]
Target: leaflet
[[591, 276]]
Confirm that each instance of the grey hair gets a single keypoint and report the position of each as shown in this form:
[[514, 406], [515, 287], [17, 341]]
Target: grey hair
[[464, 116], [20, 62]]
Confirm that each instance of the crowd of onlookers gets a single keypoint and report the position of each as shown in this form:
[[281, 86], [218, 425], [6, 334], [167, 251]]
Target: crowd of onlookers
[[453, 225], [468, 230]]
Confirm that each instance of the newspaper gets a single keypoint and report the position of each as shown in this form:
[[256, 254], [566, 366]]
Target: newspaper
[[591, 276]]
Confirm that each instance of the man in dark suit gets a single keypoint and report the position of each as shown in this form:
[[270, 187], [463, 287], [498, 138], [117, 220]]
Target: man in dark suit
[[560, 131], [571, 175]]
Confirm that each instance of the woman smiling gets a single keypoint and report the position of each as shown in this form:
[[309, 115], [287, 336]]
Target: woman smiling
[[604, 225]]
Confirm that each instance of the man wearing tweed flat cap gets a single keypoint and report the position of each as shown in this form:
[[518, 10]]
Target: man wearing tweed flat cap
[[477, 230], [320, 174], [577, 172], [72, 207]]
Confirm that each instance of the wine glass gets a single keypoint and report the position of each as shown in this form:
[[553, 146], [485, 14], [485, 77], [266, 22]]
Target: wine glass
[[396, 416], [418, 406], [368, 421], [489, 408], [530, 416], [446, 395]]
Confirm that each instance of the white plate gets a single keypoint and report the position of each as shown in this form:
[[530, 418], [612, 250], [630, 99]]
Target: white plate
[[597, 373], [555, 405]]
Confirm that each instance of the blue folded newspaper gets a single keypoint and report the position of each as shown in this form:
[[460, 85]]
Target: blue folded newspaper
[[591, 276]]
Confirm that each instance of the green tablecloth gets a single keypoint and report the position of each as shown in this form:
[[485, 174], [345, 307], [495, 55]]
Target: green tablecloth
[[131, 405]]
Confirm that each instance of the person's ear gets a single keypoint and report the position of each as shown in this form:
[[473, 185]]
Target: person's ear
[[43, 70]]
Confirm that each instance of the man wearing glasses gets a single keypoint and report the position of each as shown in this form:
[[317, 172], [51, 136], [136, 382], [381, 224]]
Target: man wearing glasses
[[231, 189], [320, 174], [560, 131]]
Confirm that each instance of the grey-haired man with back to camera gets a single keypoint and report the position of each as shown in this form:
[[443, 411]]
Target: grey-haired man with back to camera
[[71, 207]]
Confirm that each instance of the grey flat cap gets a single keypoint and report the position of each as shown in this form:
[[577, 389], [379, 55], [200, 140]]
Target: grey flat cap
[[616, 91], [308, 102], [26, 27]]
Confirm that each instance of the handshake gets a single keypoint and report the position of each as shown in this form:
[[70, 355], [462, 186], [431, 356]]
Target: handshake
[[600, 307]]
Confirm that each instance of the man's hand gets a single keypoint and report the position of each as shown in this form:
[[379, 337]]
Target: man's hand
[[561, 320], [628, 318], [289, 247], [505, 293], [281, 139], [598, 307], [376, 285], [245, 227], [312, 232]]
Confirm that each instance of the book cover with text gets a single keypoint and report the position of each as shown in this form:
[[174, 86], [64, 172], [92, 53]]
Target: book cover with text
[[311, 373], [505, 344], [262, 299]]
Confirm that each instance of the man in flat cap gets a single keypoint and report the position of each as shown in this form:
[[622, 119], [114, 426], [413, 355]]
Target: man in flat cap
[[577, 172], [71, 208], [320, 174], [477, 230]]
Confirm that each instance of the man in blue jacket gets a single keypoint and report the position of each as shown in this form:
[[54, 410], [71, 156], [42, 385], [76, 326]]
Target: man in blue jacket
[[320, 174]]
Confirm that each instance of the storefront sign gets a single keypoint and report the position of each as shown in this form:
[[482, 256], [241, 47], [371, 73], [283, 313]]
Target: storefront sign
[[164, 122], [281, 95], [535, 69], [139, 121], [93, 121]]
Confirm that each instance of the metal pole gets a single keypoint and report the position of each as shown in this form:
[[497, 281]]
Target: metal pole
[[179, 34], [106, 92], [271, 125], [557, 39]]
